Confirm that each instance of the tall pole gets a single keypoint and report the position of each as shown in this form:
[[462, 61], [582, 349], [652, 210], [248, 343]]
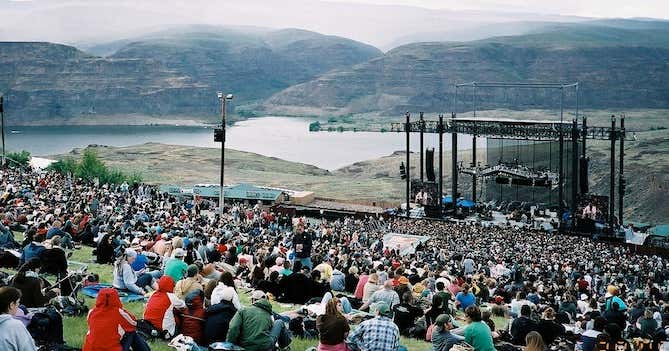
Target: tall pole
[[612, 185], [474, 146], [422, 131], [454, 164], [407, 128], [561, 153], [441, 164], [2, 116], [221, 199], [574, 168], [621, 174]]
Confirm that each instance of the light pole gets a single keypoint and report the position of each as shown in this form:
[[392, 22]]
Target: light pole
[[219, 135], [2, 116]]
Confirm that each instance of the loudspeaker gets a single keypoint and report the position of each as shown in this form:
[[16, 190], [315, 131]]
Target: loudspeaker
[[583, 175], [429, 164]]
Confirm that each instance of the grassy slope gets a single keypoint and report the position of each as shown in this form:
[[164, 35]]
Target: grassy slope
[[75, 328]]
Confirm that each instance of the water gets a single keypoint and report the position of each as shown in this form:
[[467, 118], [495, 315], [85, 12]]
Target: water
[[282, 137]]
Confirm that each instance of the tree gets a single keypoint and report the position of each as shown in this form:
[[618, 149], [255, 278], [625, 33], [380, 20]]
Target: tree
[[21, 158]]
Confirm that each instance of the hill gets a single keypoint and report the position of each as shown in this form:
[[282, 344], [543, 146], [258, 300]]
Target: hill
[[168, 73], [617, 67]]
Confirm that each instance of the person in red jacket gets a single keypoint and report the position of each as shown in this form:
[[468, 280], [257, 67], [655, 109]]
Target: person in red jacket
[[163, 308], [193, 319], [110, 326]]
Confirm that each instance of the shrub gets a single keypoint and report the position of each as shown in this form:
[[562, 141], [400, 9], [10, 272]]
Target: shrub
[[21, 158], [91, 167], [315, 126]]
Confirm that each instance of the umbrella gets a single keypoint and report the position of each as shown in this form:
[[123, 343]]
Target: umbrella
[[448, 199]]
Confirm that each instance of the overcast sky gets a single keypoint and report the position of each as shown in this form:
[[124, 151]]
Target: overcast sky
[[95, 21], [587, 8]]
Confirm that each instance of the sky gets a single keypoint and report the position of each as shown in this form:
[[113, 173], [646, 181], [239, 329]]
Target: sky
[[586, 8], [82, 22]]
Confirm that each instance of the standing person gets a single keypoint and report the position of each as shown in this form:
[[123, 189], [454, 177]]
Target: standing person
[[302, 245], [376, 334], [332, 327], [254, 329], [442, 338], [477, 333], [13, 334], [110, 326]]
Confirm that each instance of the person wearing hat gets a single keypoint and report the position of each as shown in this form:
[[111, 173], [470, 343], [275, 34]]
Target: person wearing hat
[[175, 267], [254, 329], [378, 333], [442, 338], [192, 282], [218, 317], [163, 307]]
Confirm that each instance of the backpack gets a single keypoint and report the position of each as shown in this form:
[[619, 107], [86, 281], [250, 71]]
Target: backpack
[[46, 328]]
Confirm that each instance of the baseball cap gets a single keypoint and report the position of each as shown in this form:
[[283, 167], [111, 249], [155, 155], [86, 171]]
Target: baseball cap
[[381, 307], [403, 280], [258, 294], [130, 253], [443, 319], [179, 252]]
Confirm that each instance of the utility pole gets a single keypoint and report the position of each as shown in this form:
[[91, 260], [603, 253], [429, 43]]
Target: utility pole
[[219, 135]]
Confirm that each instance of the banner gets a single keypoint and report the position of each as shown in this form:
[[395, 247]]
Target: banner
[[406, 243]]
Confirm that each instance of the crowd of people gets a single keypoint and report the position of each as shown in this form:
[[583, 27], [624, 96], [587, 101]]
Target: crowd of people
[[350, 291]]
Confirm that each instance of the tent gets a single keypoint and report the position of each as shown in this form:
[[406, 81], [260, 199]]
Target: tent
[[448, 199]]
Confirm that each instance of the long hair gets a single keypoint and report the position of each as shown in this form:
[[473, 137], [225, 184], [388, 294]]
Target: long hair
[[534, 342], [331, 309]]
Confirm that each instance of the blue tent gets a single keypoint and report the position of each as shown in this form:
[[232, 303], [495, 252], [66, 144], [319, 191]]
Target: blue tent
[[466, 203], [448, 199]]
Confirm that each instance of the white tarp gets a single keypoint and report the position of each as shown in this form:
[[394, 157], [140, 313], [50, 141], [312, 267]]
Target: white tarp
[[406, 243], [632, 237]]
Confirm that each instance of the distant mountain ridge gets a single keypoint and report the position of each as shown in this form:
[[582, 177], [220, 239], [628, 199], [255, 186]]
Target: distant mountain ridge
[[176, 73], [617, 68]]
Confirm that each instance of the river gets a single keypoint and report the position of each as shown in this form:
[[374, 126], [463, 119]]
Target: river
[[286, 138]]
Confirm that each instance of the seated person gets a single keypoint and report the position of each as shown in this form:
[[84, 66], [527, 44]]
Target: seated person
[[477, 333], [54, 260], [35, 291], [163, 306], [105, 250], [254, 329], [110, 325], [193, 317], [218, 318], [442, 338], [33, 249], [405, 314], [125, 278], [332, 327], [378, 333], [14, 335], [523, 325]]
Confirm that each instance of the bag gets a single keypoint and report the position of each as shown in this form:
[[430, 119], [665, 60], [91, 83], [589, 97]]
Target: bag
[[462, 346], [69, 306], [146, 330], [46, 328], [428, 333]]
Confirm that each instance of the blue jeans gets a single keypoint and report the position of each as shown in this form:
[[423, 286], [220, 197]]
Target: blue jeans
[[345, 304], [280, 333]]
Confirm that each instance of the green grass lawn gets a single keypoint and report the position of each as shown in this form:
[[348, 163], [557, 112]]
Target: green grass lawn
[[75, 328]]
